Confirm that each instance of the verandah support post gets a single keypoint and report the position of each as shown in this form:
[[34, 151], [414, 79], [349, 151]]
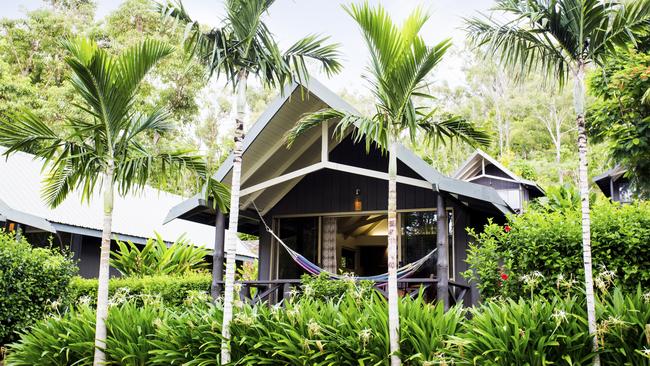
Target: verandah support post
[[442, 265], [217, 255]]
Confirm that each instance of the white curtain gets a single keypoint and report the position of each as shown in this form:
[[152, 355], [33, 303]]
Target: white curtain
[[329, 244]]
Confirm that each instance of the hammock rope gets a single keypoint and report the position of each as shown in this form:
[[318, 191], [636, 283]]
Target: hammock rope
[[313, 269]]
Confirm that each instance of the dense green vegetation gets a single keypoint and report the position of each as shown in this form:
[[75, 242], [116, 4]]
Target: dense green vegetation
[[541, 249], [171, 290], [33, 283], [349, 330], [156, 258]]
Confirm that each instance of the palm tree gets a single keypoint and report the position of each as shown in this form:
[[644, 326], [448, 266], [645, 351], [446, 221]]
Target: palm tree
[[400, 62], [101, 142], [241, 47], [562, 38]]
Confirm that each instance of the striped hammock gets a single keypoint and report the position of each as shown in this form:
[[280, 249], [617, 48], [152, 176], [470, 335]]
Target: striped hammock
[[402, 272]]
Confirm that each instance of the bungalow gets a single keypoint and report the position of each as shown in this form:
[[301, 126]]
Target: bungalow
[[327, 200], [615, 185], [78, 226], [481, 168]]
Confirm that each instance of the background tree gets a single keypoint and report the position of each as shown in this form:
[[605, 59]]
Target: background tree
[[400, 62], [243, 46], [563, 38], [100, 145], [621, 115]]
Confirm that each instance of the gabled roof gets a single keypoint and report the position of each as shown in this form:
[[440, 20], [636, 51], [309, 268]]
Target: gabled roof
[[266, 156], [136, 216], [603, 179], [474, 165]]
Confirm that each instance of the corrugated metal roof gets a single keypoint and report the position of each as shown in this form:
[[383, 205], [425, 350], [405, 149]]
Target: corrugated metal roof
[[138, 214]]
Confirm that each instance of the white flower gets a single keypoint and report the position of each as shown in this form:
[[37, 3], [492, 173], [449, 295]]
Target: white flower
[[560, 316], [313, 328], [365, 335]]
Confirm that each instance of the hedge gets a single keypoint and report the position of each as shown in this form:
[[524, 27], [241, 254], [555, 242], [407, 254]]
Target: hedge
[[33, 283], [171, 290], [541, 251]]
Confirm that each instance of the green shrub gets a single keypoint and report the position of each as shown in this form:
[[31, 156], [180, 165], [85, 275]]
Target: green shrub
[[323, 288], [547, 245], [525, 332], [156, 258], [172, 290], [69, 339], [33, 281], [624, 328], [346, 331]]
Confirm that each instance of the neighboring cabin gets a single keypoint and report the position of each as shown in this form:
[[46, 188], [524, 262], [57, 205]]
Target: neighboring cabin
[[615, 185], [327, 199], [481, 168], [77, 226]]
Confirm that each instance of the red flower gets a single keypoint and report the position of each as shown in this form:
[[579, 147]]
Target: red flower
[[504, 276], [507, 228]]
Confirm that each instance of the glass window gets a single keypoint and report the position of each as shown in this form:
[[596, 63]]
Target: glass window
[[419, 238], [301, 235]]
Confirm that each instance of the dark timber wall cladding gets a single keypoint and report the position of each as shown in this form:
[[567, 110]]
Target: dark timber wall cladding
[[350, 153], [496, 183], [333, 191]]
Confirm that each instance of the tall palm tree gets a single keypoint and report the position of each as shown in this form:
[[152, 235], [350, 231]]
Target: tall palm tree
[[400, 62], [562, 38], [241, 47], [101, 142]]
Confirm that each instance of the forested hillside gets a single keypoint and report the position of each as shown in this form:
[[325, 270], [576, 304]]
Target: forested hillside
[[531, 123]]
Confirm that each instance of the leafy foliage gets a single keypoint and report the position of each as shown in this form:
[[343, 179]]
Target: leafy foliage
[[621, 115], [156, 258], [103, 137], [33, 283], [558, 37], [562, 198], [548, 243], [171, 290], [348, 331], [321, 287], [68, 339], [243, 43], [525, 332], [400, 62]]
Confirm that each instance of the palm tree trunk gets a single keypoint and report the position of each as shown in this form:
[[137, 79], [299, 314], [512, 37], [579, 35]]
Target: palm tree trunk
[[231, 237], [393, 308], [443, 258], [104, 256], [583, 183]]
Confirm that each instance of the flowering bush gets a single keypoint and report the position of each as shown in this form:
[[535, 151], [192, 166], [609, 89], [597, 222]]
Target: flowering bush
[[541, 251]]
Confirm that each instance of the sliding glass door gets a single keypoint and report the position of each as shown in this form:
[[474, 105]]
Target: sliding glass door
[[301, 235], [419, 238]]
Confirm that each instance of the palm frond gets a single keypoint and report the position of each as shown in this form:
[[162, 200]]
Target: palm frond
[[308, 121], [519, 48], [623, 28], [440, 129], [219, 194], [312, 47], [134, 171], [24, 131], [134, 63]]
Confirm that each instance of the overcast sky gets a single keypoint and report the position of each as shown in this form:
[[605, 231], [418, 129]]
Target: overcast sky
[[291, 19]]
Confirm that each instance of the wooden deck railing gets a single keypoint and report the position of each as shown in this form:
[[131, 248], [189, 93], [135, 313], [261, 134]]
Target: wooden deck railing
[[274, 291]]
